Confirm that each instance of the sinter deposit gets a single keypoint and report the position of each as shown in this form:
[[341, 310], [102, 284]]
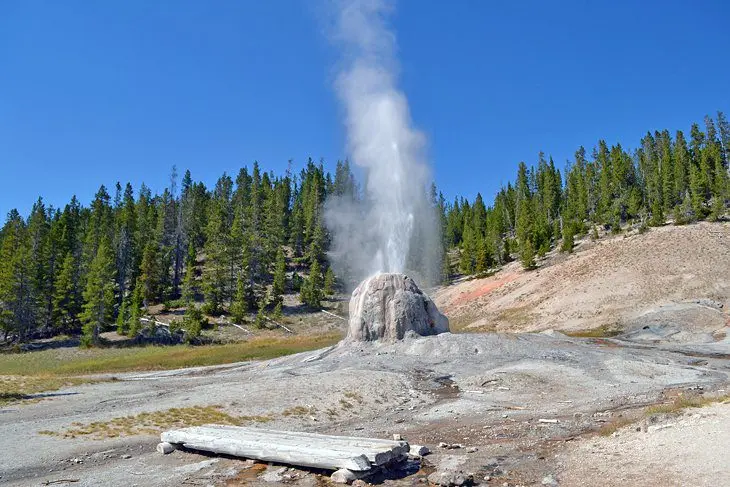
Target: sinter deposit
[[387, 306]]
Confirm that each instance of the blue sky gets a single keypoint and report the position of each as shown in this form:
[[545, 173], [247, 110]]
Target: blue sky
[[95, 92]]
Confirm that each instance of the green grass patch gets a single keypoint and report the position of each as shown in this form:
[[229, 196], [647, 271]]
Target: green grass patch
[[67, 362]]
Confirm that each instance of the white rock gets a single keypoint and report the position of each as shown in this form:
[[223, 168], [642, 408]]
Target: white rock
[[657, 427], [419, 451], [165, 447], [343, 476]]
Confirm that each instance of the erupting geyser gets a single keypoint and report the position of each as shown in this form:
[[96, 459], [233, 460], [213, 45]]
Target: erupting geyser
[[388, 306]]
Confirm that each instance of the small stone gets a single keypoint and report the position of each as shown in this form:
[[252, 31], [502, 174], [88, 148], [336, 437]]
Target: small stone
[[76, 460], [273, 475], [657, 427], [165, 447], [126, 457], [448, 479], [443, 445], [343, 476], [550, 481], [397, 437], [472, 449], [359, 483], [419, 451], [487, 478]]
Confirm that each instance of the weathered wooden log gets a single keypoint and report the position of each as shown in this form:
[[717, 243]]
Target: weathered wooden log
[[379, 452], [306, 455]]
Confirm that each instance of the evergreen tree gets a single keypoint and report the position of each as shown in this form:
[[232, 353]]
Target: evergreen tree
[[329, 282], [98, 309], [66, 297], [279, 276]]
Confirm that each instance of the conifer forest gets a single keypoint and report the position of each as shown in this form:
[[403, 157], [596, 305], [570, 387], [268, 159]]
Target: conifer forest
[[236, 248]]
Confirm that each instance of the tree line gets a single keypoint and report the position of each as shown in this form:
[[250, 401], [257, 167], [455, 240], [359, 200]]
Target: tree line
[[90, 269], [238, 247], [665, 177]]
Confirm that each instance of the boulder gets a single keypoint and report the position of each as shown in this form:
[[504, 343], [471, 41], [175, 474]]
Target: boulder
[[389, 306]]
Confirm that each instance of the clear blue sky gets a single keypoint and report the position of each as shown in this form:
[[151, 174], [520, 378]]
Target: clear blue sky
[[95, 92]]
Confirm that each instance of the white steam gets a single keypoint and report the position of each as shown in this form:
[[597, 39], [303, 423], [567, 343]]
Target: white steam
[[378, 232]]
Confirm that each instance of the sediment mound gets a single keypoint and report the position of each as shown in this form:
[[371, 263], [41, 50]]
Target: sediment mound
[[388, 306]]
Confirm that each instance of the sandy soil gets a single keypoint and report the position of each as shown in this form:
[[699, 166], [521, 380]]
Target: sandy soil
[[689, 450], [608, 283]]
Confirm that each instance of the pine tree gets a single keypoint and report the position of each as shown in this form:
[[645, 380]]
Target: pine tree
[[66, 297], [98, 309], [527, 255], [329, 282], [279, 276], [149, 274], [134, 323], [17, 303], [311, 294]]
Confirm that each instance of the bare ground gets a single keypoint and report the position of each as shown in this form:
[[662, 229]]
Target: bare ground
[[606, 283]]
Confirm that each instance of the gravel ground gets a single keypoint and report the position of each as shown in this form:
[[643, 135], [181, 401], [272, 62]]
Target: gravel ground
[[487, 391]]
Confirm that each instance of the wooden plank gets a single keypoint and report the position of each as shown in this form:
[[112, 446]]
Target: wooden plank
[[302, 455], [355, 443], [379, 452], [297, 448]]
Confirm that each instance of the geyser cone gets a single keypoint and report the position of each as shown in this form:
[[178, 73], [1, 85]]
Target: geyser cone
[[388, 306]]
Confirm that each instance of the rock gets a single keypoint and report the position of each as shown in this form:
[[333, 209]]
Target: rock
[[397, 437], [472, 449], [359, 483], [272, 475], [550, 481], [657, 427], [388, 307], [343, 476], [126, 457], [419, 451], [165, 447], [449, 478]]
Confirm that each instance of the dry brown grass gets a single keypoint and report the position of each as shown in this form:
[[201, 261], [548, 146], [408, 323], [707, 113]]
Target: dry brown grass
[[155, 422], [603, 331], [683, 402], [299, 411], [22, 388], [677, 405]]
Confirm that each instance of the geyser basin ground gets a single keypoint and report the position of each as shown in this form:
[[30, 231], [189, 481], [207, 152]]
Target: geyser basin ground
[[486, 391]]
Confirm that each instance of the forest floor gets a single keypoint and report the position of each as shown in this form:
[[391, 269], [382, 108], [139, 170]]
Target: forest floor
[[650, 318]]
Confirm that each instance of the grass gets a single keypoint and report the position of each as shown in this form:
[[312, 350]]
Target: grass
[[517, 316], [155, 422], [603, 331], [680, 403], [68, 362], [675, 406], [19, 388]]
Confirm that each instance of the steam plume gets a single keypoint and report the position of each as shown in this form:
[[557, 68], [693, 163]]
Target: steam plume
[[393, 227]]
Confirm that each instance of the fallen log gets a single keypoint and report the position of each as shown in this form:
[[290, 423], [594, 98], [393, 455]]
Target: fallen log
[[379, 452], [301, 449]]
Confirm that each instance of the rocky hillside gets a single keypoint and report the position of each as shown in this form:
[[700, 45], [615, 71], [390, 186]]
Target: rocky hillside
[[670, 276]]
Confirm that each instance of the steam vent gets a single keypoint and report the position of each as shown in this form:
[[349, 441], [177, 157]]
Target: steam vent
[[387, 306]]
